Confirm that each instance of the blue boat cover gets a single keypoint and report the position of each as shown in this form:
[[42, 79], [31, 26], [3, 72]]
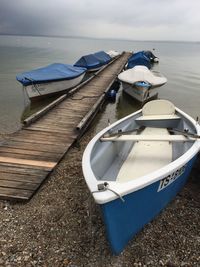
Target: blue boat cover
[[92, 61], [149, 54], [88, 62], [138, 59], [102, 57], [53, 72]]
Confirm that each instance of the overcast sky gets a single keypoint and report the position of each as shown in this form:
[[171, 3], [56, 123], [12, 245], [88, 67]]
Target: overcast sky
[[121, 19]]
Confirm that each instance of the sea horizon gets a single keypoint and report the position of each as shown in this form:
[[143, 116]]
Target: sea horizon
[[97, 38]]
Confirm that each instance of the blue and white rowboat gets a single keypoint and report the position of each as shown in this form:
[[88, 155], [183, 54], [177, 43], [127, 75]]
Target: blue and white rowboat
[[134, 167], [52, 79]]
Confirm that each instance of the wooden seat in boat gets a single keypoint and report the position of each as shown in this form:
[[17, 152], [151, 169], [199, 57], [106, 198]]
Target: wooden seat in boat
[[146, 156], [158, 111]]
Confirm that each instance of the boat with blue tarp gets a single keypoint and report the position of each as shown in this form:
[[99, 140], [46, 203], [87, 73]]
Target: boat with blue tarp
[[93, 62], [51, 79], [138, 58], [90, 62], [137, 165], [103, 57]]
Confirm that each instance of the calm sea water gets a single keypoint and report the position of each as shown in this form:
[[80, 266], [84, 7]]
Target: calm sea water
[[179, 62]]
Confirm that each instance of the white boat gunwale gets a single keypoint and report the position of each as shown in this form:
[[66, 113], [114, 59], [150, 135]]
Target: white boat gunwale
[[140, 182]]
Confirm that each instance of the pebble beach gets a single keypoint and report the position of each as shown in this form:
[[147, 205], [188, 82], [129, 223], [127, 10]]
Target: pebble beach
[[62, 226]]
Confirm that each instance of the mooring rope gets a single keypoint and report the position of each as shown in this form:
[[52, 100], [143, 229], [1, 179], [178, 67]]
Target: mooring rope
[[103, 187]]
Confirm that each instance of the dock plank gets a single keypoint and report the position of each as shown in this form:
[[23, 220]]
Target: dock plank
[[47, 164], [27, 175], [34, 146], [19, 185], [15, 193], [20, 178]]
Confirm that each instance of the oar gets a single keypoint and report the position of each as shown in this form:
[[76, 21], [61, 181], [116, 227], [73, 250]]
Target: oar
[[185, 133], [120, 132], [154, 138]]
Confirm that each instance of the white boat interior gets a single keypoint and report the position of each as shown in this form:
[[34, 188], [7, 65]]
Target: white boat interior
[[142, 143]]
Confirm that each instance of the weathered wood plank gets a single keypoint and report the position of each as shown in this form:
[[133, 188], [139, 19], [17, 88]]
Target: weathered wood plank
[[27, 152], [19, 185], [21, 178], [59, 124], [14, 170], [13, 193], [37, 157], [49, 130], [28, 131], [36, 147], [46, 164], [38, 141], [24, 168]]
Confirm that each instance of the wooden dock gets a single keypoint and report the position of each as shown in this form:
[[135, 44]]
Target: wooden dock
[[29, 155]]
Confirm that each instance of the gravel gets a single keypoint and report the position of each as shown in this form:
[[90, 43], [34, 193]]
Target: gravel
[[62, 226]]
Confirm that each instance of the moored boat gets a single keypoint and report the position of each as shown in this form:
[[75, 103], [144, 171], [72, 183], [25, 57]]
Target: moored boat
[[138, 58], [90, 62], [136, 166], [93, 62], [51, 79], [140, 82], [103, 57]]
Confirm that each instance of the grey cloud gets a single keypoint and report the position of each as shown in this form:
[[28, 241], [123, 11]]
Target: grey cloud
[[99, 18]]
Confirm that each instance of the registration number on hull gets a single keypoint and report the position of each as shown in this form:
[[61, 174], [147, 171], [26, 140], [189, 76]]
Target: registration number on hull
[[170, 178]]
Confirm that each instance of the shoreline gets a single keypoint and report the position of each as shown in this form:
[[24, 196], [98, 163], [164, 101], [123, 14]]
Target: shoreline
[[62, 226]]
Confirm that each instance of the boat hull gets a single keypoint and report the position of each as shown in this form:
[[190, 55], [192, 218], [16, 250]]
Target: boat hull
[[39, 90], [147, 174], [124, 219], [94, 69], [141, 94]]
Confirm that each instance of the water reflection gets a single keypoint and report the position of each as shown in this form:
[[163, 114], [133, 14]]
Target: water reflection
[[126, 105], [34, 106]]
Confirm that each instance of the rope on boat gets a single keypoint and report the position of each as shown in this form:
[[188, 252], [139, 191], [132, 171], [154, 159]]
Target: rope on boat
[[34, 85], [103, 187]]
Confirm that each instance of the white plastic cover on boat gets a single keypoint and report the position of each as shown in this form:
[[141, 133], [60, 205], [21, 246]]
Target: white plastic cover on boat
[[113, 53], [142, 73]]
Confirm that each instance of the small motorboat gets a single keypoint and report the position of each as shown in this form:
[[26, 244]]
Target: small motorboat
[[52, 79], [90, 62], [136, 166], [93, 62], [138, 58], [103, 57], [140, 82]]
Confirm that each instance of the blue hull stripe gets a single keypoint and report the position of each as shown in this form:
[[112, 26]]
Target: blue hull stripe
[[124, 220]]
